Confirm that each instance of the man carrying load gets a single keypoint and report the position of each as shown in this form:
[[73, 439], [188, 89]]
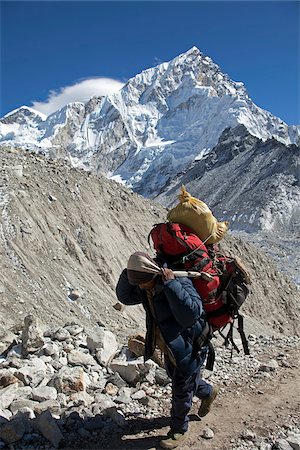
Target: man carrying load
[[175, 321]]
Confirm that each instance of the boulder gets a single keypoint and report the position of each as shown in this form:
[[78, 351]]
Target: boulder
[[32, 335], [24, 392], [78, 358], [32, 373], [74, 329], [132, 371], [16, 405], [7, 395], [82, 398], [69, 380], [51, 349], [104, 344], [270, 366], [61, 334], [7, 377], [5, 415], [43, 393], [48, 405], [294, 440]]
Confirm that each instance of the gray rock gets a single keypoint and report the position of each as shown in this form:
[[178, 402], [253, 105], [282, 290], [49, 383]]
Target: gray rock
[[103, 402], [248, 435], [282, 444], [25, 403], [12, 431], [270, 366], [62, 399], [124, 395], [32, 373], [161, 376], [24, 392], [74, 294], [78, 358], [138, 395], [51, 349], [265, 446], [48, 405], [7, 395], [150, 402], [69, 380], [5, 415], [131, 371], [82, 398], [117, 380], [47, 426], [7, 377], [104, 344], [74, 329], [294, 440], [32, 335], [61, 334], [43, 393], [208, 433], [26, 412]]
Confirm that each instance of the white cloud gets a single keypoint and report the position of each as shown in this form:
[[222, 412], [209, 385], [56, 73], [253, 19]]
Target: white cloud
[[79, 92]]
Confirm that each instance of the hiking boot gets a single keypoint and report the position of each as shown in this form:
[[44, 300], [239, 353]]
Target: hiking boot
[[172, 440], [207, 402]]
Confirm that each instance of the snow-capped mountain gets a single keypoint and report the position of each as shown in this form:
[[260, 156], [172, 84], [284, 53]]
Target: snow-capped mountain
[[252, 183], [154, 128]]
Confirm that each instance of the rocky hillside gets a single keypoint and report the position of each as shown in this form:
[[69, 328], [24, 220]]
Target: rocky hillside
[[66, 234]]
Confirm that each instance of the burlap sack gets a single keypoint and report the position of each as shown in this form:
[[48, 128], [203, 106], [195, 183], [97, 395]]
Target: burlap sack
[[195, 214]]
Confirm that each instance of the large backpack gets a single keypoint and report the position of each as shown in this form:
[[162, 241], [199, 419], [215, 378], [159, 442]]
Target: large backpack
[[223, 282]]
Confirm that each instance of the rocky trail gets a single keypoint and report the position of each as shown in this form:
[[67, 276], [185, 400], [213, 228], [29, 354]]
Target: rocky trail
[[265, 416], [63, 387]]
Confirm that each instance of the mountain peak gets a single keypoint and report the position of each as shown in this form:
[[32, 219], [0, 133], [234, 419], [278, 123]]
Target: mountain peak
[[27, 111]]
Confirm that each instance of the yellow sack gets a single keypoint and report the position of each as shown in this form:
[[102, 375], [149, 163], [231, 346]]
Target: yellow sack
[[195, 214]]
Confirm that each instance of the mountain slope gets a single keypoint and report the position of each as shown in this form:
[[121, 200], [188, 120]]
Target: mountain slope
[[252, 183], [63, 229]]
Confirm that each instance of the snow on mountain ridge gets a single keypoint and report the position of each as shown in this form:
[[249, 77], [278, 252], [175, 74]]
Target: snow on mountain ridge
[[155, 126], [27, 109]]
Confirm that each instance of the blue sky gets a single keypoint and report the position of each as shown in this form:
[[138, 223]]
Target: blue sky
[[50, 46]]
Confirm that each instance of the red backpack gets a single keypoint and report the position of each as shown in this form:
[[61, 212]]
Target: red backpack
[[222, 286]]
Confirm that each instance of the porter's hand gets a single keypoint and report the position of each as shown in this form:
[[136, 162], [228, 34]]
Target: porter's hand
[[167, 274]]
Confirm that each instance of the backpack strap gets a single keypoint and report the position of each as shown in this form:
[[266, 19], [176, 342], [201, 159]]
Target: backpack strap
[[242, 334], [229, 337], [211, 356]]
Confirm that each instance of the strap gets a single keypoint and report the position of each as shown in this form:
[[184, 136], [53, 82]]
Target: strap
[[211, 356], [242, 334], [229, 338]]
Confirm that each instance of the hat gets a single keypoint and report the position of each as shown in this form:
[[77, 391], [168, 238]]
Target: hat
[[141, 268]]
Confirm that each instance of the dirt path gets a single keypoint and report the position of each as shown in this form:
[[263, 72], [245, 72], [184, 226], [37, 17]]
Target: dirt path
[[261, 409]]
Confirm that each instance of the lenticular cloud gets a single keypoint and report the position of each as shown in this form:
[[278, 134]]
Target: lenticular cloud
[[79, 92]]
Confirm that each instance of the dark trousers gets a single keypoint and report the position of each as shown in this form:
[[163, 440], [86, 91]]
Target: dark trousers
[[183, 390]]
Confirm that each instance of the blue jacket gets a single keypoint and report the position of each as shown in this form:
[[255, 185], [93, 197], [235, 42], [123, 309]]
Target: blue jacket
[[178, 314]]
